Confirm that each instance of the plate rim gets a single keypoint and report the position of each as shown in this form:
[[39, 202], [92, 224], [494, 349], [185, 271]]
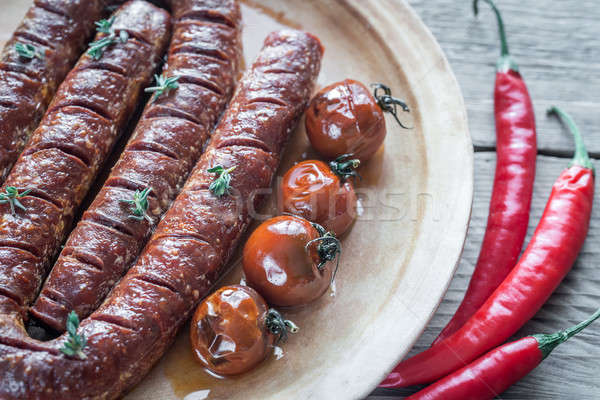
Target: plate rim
[[385, 10]]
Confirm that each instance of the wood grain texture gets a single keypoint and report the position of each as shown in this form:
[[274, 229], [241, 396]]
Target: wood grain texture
[[571, 371], [556, 45]]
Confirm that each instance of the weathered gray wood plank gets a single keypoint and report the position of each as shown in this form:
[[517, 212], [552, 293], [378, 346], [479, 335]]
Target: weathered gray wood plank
[[556, 45], [571, 371]]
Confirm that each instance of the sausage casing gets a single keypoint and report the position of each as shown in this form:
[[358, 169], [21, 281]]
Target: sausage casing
[[89, 112], [165, 146], [191, 245], [58, 31]]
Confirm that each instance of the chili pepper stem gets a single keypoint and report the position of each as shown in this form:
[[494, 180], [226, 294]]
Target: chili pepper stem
[[505, 62], [581, 156], [547, 343]]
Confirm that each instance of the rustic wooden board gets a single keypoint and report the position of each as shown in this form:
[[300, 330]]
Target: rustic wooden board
[[418, 188], [556, 45], [571, 371]]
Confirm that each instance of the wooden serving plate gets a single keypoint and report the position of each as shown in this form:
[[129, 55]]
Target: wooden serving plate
[[415, 205]]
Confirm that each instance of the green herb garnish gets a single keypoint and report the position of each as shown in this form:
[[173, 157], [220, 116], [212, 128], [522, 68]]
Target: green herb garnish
[[98, 47], [140, 205], [28, 51], [163, 85], [221, 185], [12, 196], [105, 25], [75, 343]]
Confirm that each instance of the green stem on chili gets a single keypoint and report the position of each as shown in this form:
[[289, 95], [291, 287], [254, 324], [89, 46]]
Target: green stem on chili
[[548, 258], [505, 62], [497, 370], [581, 156], [510, 204], [547, 343]]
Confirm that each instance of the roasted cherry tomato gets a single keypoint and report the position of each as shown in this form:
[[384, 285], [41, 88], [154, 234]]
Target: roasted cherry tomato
[[345, 118], [289, 260], [322, 193], [233, 330]]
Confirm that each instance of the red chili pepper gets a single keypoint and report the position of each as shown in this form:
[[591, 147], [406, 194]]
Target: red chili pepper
[[513, 186], [496, 371], [547, 259]]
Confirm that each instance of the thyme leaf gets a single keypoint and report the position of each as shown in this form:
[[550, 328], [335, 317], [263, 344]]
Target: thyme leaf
[[163, 85], [12, 196], [75, 343], [221, 185], [28, 51], [105, 26], [140, 205]]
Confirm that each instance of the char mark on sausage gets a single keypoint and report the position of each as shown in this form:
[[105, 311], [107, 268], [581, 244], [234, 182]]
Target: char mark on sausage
[[191, 245], [167, 142], [58, 31], [89, 112]]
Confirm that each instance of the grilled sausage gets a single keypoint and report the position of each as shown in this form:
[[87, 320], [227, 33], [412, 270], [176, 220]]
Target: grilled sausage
[[190, 247], [57, 30], [58, 165], [165, 145]]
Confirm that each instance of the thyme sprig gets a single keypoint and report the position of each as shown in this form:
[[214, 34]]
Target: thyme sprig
[[12, 196], [163, 85], [75, 343], [28, 51], [221, 185], [105, 26], [140, 205], [279, 326], [388, 103]]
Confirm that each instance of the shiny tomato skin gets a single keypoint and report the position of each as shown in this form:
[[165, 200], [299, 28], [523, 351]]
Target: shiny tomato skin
[[228, 331], [344, 118], [277, 265], [310, 189]]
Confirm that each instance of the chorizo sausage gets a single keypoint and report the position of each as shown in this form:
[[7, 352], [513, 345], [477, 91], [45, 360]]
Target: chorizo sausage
[[58, 165], [190, 247], [166, 144], [54, 32]]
